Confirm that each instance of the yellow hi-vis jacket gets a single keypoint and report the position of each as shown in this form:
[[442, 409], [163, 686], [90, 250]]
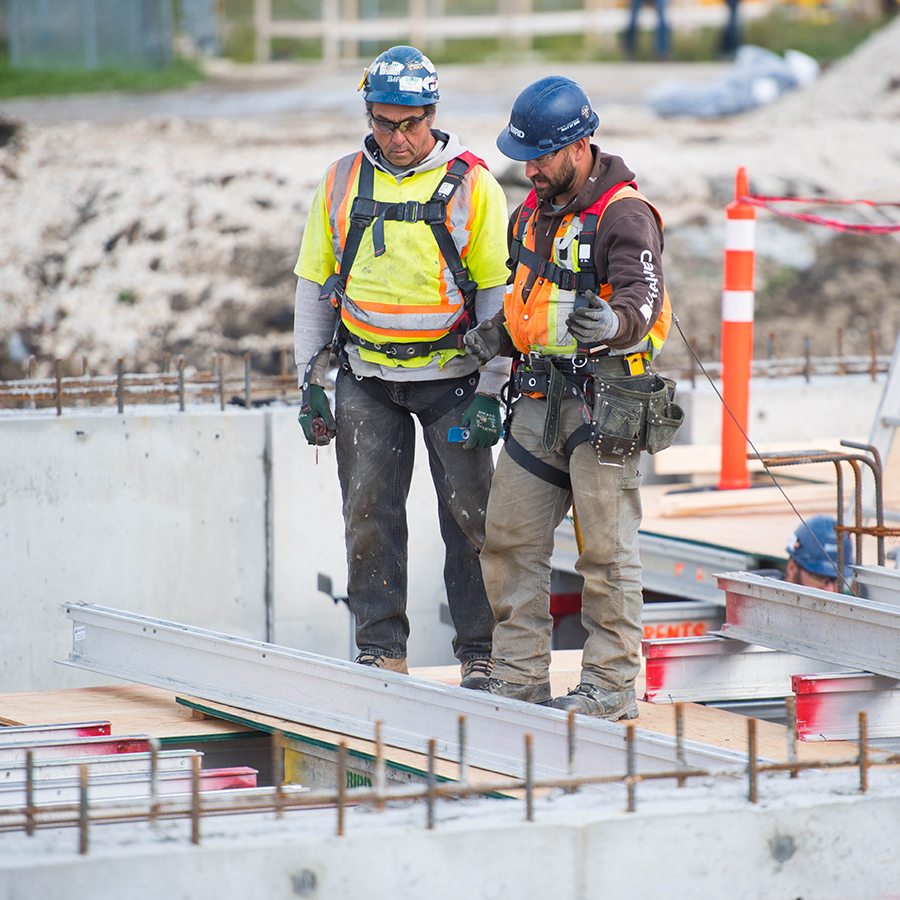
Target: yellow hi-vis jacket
[[400, 290], [538, 324]]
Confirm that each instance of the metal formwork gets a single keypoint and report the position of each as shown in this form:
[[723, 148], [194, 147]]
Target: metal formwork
[[714, 668], [846, 630], [829, 704], [350, 699]]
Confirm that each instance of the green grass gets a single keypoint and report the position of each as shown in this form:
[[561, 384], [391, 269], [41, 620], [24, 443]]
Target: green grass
[[31, 82]]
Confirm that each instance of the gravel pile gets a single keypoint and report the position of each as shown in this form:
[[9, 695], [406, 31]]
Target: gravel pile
[[133, 239]]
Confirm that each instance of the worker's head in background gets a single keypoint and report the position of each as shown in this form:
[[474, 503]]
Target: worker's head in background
[[813, 555], [401, 91], [550, 128]]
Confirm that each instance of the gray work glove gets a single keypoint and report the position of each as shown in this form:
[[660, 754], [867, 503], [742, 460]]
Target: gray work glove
[[594, 323], [483, 343]]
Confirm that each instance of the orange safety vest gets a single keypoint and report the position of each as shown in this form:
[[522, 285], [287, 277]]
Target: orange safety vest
[[538, 323]]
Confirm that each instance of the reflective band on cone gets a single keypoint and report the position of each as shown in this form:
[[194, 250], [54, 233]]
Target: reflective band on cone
[[737, 334]]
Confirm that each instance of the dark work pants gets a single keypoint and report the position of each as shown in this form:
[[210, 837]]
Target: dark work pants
[[375, 449]]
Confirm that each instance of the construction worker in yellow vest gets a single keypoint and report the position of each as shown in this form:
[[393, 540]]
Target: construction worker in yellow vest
[[585, 312], [404, 251]]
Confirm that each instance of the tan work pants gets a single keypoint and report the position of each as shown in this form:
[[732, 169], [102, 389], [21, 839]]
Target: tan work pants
[[523, 512]]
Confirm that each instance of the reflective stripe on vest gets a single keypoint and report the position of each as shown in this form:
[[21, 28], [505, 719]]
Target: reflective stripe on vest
[[401, 252], [538, 324]]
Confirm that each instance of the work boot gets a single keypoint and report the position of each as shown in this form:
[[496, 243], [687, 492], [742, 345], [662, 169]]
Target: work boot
[[374, 658], [530, 693], [590, 700], [475, 673]]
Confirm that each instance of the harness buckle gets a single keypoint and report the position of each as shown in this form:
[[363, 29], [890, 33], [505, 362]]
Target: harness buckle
[[411, 211], [363, 210]]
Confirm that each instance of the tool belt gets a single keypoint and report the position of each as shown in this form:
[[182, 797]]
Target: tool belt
[[634, 413], [633, 408]]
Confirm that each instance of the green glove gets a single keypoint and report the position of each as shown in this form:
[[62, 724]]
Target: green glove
[[316, 419], [482, 418]]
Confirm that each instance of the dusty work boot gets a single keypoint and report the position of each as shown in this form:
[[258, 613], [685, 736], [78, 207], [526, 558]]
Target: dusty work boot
[[590, 700], [475, 673], [530, 693], [374, 658]]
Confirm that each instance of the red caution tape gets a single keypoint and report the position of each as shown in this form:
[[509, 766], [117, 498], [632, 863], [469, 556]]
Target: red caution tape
[[856, 227]]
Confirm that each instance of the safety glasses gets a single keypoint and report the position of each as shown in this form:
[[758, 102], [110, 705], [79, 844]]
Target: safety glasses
[[545, 160], [407, 126]]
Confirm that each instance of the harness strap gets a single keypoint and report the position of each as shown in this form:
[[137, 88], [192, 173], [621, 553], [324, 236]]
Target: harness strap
[[367, 211], [537, 467], [458, 392]]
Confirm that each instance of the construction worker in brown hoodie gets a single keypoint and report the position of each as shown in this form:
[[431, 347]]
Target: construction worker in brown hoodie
[[585, 312]]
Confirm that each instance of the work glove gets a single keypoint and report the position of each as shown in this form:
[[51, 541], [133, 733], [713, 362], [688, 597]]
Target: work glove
[[316, 419], [594, 323], [482, 418], [483, 342]]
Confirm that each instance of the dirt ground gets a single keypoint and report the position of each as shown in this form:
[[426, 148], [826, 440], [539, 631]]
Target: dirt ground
[[136, 226]]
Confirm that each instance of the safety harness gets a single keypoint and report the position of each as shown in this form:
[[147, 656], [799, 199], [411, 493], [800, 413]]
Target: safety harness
[[366, 212], [557, 377]]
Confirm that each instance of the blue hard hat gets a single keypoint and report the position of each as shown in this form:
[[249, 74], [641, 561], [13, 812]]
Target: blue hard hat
[[804, 548], [401, 75], [546, 116]]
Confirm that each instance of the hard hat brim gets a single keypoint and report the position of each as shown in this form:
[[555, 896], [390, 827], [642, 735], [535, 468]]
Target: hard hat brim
[[515, 149], [401, 99]]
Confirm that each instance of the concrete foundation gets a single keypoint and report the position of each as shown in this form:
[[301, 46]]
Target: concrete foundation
[[816, 837]]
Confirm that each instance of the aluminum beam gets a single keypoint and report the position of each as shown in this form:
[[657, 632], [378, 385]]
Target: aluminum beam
[[828, 705], [349, 699], [62, 749], [845, 630], [880, 584], [714, 668], [117, 764], [68, 790], [63, 731]]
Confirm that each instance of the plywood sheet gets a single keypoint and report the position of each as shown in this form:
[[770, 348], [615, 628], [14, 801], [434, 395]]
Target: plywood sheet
[[130, 709]]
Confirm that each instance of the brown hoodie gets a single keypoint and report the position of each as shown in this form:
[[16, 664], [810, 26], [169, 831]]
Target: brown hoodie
[[628, 247]]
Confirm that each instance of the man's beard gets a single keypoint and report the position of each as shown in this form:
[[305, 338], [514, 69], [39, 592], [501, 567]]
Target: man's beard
[[560, 184]]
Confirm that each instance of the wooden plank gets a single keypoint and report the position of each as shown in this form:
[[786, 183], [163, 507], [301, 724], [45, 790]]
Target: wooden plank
[[706, 459], [130, 709], [805, 497], [406, 760]]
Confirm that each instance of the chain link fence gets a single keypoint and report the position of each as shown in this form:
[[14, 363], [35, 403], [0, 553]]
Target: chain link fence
[[89, 34]]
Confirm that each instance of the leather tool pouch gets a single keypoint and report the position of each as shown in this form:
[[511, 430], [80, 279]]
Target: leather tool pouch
[[634, 413]]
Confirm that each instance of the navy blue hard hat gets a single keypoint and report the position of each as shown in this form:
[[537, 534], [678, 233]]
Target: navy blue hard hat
[[804, 548], [547, 115], [401, 75]]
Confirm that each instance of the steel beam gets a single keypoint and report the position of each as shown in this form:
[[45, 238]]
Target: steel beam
[[349, 699], [713, 668], [845, 630], [880, 584], [828, 705]]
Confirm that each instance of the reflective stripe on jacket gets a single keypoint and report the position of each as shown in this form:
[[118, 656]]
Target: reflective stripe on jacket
[[538, 323]]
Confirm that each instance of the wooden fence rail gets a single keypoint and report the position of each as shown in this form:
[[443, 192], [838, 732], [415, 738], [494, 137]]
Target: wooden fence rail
[[514, 22]]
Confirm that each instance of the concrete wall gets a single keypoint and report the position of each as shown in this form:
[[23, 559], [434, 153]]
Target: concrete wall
[[815, 837], [786, 409], [218, 520]]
